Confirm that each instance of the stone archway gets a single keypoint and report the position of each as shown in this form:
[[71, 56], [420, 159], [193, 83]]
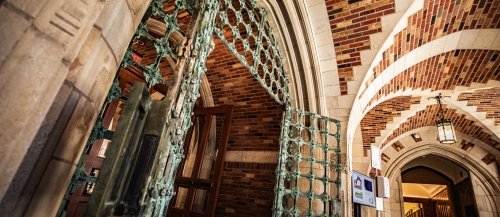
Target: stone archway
[[485, 184]]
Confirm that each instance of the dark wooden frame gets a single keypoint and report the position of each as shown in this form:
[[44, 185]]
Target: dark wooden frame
[[194, 182]]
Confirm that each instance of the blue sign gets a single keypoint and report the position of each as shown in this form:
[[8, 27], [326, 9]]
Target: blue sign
[[363, 191]]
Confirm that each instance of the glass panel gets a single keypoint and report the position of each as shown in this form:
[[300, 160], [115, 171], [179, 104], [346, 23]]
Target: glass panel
[[441, 133], [200, 201], [180, 198], [190, 157], [449, 131], [210, 155], [103, 148]]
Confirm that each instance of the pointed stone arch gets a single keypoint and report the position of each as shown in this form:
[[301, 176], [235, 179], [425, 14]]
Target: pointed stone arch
[[486, 185]]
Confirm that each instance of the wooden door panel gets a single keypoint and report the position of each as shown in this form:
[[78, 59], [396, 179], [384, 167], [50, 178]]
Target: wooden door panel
[[199, 173]]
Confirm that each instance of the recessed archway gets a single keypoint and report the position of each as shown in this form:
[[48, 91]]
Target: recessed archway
[[484, 182]]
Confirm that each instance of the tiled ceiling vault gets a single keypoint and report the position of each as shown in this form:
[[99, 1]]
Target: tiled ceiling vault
[[377, 118], [352, 22], [442, 46], [486, 100], [446, 71]]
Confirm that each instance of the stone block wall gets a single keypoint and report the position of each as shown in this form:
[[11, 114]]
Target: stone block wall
[[57, 61]]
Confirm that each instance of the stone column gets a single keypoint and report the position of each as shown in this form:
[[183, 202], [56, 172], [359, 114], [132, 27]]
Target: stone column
[[57, 61], [396, 200]]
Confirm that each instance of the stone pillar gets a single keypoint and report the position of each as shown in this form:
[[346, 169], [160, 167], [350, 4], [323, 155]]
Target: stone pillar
[[487, 205], [396, 200], [57, 61]]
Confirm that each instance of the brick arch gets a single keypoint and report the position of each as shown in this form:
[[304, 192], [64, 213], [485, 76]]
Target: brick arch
[[443, 72], [446, 71], [486, 100], [466, 145], [461, 123], [470, 111], [435, 20], [400, 73], [378, 117]]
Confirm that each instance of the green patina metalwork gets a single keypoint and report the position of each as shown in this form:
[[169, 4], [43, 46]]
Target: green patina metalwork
[[115, 91], [300, 189], [308, 174], [309, 169], [161, 186], [163, 45], [252, 41]]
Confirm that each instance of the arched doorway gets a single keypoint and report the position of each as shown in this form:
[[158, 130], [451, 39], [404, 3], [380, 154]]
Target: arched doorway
[[452, 167], [436, 187]]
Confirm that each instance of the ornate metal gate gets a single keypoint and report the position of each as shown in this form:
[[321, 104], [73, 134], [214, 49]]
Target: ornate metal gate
[[308, 173]]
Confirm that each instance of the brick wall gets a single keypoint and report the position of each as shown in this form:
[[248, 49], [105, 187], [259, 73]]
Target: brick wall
[[257, 117], [486, 100], [428, 116], [378, 117], [246, 188], [352, 22]]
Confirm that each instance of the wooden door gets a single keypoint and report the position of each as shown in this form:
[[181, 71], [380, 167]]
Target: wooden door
[[198, 175]]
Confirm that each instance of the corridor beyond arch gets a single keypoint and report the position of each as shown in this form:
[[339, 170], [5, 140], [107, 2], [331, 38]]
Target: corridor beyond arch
[[484, 182]]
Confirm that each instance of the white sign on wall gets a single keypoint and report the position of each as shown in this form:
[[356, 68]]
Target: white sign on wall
[[380, 204], [363, 189], [375, 156]]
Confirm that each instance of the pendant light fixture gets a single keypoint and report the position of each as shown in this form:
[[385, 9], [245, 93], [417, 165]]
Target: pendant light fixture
[[446, 132]]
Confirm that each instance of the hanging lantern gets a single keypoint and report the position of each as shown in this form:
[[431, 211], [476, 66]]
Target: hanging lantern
[[446, 132]]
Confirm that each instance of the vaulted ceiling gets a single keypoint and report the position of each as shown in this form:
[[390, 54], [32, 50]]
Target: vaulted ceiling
[[437, 46]]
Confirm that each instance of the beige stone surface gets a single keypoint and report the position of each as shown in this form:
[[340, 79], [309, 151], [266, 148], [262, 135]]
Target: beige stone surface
[[73, 139], [251, 156], [106, 72], [54, 182], [79, 67], [137, 7], [30, 7], [117, 26], [48, 22], [13, 25], [94, 68], [86, 15], [29, 81]]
